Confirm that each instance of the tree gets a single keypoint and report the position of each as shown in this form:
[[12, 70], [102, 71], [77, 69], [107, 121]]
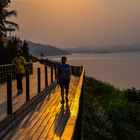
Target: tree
[[4, 23], [25, 50]]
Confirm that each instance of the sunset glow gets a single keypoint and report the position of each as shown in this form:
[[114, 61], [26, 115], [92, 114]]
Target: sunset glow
[[73, 23]]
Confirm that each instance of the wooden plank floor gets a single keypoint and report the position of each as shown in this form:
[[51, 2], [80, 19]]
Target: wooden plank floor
[[48, 119], [19, 100]]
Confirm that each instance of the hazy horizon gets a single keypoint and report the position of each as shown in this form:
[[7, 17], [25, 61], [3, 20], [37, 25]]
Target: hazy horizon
[[75, 23]]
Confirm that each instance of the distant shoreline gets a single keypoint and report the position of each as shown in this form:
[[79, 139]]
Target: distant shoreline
[[104, 52]]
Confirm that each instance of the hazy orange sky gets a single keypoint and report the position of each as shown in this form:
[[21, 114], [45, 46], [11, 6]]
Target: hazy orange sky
[[74, 23]]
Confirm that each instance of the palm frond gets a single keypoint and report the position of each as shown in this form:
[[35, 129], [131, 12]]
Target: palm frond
[[12, 24], [9, 13], [1, 26]]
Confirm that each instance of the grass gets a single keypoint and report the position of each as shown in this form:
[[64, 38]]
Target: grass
[[109, 113]]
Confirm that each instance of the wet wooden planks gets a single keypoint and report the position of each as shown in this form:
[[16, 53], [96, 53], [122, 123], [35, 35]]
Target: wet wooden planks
[[48, 119], [19, 100]]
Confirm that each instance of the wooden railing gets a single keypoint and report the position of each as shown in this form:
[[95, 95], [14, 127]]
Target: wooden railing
[[12, 115], [28, 98], [9, 68], [73, 129]]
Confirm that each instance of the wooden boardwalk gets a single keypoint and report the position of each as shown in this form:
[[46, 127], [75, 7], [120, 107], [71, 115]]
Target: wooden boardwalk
[[19, 100], [48, 119]]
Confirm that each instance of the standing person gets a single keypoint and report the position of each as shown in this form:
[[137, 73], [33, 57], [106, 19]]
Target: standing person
[[64, 74], [20, 64]]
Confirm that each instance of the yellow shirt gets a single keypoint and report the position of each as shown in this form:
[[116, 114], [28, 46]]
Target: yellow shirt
[[20, 63]]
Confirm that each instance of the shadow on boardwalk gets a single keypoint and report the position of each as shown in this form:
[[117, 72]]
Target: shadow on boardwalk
[[61, 120], [19, 100], [48, 119]]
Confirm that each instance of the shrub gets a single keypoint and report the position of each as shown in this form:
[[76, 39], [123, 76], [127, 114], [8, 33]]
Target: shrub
[[132, 94], [110, 114]]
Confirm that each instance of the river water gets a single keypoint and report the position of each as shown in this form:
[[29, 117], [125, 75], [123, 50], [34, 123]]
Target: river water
[[120, 69]]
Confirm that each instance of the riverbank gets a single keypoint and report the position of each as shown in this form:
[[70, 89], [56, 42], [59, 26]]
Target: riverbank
[[110, 113]]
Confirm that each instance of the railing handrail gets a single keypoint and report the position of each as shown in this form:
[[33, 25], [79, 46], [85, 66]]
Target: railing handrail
[[11, 64], [69, 130], [10, 68], [6, 65]]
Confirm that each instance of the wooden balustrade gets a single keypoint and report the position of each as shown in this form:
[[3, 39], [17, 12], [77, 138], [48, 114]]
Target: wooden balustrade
[[73, 129], [9, 68]]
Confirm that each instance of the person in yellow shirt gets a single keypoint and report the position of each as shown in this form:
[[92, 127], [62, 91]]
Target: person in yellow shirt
[[20, 63]]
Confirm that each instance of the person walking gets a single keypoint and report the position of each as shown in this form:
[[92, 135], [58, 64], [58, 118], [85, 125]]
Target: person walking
[[64, 75], [20, 63]]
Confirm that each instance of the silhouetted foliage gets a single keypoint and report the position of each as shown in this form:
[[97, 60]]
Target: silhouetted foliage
[[7, 46], [25, 50], [6, 25], [9, 52], [109, 113], [132, 94]]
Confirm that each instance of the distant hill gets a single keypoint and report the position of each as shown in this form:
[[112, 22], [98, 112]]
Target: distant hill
[[37, 50], [106, 49]]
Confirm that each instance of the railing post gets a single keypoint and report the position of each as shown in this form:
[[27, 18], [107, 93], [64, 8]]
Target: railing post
[[27, 87], [51, 73], [55, 71], [46, 76], [9, 94], [31, 68], [38, 79]]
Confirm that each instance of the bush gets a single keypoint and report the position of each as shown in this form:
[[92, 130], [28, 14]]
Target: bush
[[132, 94], [110, 114]]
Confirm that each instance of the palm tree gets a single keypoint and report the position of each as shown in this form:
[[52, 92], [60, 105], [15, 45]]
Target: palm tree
[[4, 23]]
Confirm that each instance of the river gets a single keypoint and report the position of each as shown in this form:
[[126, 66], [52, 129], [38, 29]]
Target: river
[[119, 69]]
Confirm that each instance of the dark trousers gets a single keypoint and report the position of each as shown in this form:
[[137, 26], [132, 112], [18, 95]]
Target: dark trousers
[[64, 84], [19, 81]]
